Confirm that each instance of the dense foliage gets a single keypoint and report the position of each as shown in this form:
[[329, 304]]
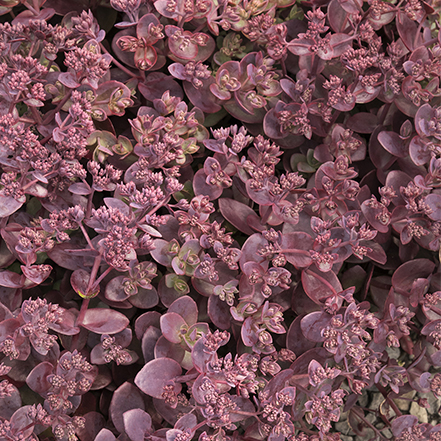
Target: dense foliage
[[220, 220]]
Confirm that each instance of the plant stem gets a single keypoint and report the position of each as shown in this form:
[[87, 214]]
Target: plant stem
[[435, 309], [86, 236], [362, 418], [388, 399], [417, 34], [384, 112], [419, 358], [120, 66], [101, 277], [267, 214], [53, 112], [95, 268], [36, 115], [367, 281], [82, 313], [89, 205], [85, 304]]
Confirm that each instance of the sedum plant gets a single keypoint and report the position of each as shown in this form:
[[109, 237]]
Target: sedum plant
[[220, 221]]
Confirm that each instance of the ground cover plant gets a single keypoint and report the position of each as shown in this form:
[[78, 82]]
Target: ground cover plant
[[220, 220]]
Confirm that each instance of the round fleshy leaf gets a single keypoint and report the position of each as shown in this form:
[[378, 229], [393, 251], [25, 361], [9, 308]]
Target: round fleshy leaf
[[271, 126], [126, 397], [250, 249], [362, 122], [80, 281], [93, 424], [68, 79], [105, 435], [22, 423], [145, 58], [405, 275], [11, 279], [298, 245], [249, 335], [148, 342], [293, 342], [430, 327], [186, 52], [319, 286], [379, 218], [137, 423], [419, 151], [8, 327], [313, 324], [104, 321], [376, 253], [144, 23], [145, 298], [161, 253], [186, 307], [195, 332], [201, 187], [37, 378], [242, 405], [423, 118], [219, 312], [392, 142], [80, 188], [402, 423], [152, 378], [67, 325], [144, 321], [187, 422], [178, 71], [279, 382], [115, 290], [164, 348], [202, 96], [157, 83], [434, 202], [36, 273], [171, 326], [8, 405], [200, 356], [237, 213]]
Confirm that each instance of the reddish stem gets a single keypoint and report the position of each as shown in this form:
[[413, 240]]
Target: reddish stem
[[365, 421], [86, 236], [52, 113], [120, 66], [388, 399], [85, 304]]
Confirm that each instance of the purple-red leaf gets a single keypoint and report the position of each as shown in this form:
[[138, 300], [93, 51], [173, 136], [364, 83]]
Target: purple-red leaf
[[408, 272], [172, 326], [392, 142], [125, 398], [105, 435], [37, 378], [297, 246], [319, 286], [137, 423], [186, 307], [104, 321], [237, 214], [11, 279], [9, 404], [9, 205], [156, 374], [313, 324], [68, 80], [434, 202]]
